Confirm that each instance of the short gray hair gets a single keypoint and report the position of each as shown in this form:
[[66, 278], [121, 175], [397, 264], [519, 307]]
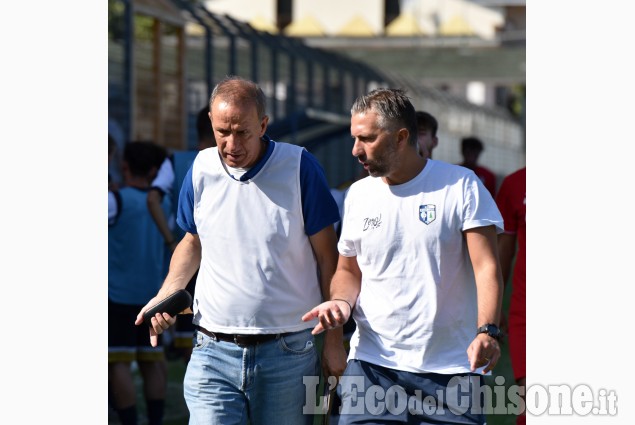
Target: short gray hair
[[393, 107], [240, 90]]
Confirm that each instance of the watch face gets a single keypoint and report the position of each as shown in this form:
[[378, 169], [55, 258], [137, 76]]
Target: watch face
[[493, 331]]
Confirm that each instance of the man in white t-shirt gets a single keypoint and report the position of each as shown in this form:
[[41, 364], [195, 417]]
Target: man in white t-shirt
[[418, 271]]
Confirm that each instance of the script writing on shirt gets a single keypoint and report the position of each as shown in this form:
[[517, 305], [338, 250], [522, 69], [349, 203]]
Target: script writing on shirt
[[372, 223]]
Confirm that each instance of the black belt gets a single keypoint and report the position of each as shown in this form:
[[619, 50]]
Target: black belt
[[240, 340]]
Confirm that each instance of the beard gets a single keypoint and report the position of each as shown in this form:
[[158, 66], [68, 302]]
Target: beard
[[383, 162]]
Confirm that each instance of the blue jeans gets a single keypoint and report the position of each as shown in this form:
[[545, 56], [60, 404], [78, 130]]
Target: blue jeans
[[227, 384]]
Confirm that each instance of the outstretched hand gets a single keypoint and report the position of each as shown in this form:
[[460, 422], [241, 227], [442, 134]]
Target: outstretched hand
[[330, 314]]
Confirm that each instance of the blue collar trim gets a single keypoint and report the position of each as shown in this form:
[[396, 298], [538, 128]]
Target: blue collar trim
[[256, 168]]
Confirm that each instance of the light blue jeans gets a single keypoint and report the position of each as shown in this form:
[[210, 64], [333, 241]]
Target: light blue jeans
[[227, 384]]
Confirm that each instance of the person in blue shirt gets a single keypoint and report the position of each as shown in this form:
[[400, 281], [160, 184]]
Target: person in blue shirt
[[135, 272]]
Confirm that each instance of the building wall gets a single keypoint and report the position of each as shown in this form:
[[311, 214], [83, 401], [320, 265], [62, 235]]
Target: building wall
[[334, 15], [245, 10], [434, 17], [439, 16]]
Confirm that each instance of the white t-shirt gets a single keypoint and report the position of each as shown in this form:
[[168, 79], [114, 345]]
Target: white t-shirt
[[164, 180], [417, 307]]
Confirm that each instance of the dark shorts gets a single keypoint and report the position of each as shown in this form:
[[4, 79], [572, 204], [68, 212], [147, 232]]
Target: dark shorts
[[371, 394], [127, 341], [184, 328], [184, 331]]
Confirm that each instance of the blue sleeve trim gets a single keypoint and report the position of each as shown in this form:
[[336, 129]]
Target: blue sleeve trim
[[256, 168], [318, 206], [185, 210]]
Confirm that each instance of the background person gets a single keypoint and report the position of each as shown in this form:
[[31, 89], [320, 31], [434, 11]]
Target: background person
[[511, 200], [135, 271], [163, 186], [471, 149]]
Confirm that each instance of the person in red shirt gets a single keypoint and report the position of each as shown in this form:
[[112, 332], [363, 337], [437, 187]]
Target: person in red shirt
[[471, 149], [511, 203]]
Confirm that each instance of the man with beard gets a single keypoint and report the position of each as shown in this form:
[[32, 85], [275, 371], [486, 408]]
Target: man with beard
[[418, 270]]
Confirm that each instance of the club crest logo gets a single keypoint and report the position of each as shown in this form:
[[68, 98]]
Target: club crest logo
[[427, 213]]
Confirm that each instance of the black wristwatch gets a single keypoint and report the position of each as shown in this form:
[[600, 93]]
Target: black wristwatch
[[491, 330]]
